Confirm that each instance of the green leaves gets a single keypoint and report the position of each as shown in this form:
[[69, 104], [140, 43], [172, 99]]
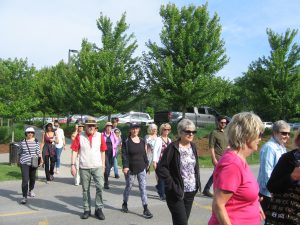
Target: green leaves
[[183, 69]]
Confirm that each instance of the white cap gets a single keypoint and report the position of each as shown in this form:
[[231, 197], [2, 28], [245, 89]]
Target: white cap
[[29, 129]]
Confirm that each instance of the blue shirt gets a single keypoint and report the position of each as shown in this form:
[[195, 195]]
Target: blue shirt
[[270, 153]]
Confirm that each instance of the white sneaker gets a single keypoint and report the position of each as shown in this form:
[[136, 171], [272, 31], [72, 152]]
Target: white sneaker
[[57, 171], [31, 194], [23, 201]]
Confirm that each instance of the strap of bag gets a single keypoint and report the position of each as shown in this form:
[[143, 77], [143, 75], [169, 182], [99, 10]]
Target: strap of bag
[[29, 149]]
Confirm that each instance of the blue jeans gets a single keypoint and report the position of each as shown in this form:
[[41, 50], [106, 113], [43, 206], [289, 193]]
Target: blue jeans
[[58, 153], [116, 168]]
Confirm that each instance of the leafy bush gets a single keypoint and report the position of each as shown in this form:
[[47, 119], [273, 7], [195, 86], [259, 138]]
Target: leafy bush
[[6, 134]]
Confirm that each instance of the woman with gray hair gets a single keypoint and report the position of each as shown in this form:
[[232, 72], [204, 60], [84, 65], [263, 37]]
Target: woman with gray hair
[[179, 169], [150, 140], [270, 153], [235, 187]]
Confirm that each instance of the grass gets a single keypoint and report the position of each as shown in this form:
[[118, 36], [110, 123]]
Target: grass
[[9, 172]]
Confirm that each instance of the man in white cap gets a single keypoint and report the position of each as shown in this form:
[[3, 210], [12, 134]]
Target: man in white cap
[[92, 147]]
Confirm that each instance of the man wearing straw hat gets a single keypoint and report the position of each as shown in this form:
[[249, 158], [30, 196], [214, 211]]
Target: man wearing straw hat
[[91, 148]]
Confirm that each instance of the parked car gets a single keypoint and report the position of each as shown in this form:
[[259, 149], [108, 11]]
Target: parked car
[[268, 125], [136, 117], [296, 126], [201, 116], [77, 118]]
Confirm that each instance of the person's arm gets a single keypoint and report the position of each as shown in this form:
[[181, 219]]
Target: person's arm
[[156, 151], [267, 161], [281, 179], [64, 139], [221, 197], [75, 148], [43, 140], [125, 160], [211, 144], [103, 148]]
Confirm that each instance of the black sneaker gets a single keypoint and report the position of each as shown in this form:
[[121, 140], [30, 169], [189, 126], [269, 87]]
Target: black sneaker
[[106, 186], [124, 208], [147, 214], [99, 214], [85, 215], [23, 201], [117, 176]]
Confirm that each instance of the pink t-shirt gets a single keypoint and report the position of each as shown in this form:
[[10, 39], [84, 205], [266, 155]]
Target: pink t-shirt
[[234, 175]]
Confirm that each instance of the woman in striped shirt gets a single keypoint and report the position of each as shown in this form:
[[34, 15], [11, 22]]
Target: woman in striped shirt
[[28, 148]]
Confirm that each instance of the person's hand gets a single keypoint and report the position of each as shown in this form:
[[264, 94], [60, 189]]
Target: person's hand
[[41, 162], [215, 162], [148, 170], [125, 171], [262, 214], [154, 165], [295, 175], [73, 170]]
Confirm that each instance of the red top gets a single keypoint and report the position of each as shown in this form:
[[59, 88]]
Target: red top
[[76, 143]]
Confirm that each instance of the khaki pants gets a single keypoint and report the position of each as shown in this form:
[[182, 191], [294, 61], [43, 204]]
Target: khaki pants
[[86, 176]]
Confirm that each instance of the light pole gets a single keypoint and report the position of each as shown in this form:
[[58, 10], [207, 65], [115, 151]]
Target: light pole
[[69, 54]]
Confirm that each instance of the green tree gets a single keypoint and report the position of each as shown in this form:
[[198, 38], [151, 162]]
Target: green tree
[[271, 84], [108, 76], [183, 70], [17, 90]]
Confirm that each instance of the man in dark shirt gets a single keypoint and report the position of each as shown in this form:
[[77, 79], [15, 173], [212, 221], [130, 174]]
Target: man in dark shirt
[[217, 144]]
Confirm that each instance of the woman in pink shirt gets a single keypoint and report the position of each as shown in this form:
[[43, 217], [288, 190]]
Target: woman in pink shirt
[[236, 190]]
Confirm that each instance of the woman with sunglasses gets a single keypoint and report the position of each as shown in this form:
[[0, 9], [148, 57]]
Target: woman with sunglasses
[[236, 190], [28, 148], [179, 169], [284, 184], [270, 153], [48, 145], [160, 146]]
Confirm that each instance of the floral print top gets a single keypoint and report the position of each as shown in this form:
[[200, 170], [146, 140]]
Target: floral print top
[[187, 168]]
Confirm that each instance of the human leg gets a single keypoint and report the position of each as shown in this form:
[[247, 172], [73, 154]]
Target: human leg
[[52, 165], [47, 164], [129, 182], [32, 176], [142, 186], [98, 179], [25, 179], [116, 167], [177, 209], [188, 202], [58, 154], [206, 189], [108, 165], [85, 175], [77, 176]]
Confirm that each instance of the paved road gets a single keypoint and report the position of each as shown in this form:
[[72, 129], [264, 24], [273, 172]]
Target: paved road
[[60, 202]]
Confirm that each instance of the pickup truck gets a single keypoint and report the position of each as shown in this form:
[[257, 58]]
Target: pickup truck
[[201, 116]]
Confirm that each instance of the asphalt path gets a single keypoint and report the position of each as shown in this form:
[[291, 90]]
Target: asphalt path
[[60, 201]]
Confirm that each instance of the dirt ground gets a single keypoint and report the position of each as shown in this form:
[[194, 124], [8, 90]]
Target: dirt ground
[[4, 148]]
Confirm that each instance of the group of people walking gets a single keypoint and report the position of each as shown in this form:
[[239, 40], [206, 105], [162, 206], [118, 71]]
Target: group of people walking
[[238, 197]]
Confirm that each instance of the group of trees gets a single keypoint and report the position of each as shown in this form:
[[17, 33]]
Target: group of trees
[[177, 73]]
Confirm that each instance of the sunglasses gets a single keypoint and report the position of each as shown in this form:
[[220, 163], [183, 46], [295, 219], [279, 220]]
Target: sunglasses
[[30, 132], [190, 132], [260, 135], [167, 129], [284, 133], [91, 125]]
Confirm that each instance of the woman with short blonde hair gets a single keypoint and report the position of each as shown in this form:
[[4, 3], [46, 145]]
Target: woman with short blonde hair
[[235, 186]]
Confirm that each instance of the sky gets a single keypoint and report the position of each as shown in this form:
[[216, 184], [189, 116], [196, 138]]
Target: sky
[[44, 31]]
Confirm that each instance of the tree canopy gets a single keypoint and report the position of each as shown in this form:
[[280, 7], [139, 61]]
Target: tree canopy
[[182, 70]]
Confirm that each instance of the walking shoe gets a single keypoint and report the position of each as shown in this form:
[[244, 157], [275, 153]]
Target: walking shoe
[[31, 194], [99, 214], [85, 215], [207, 193], [57, 171], [117, 176], [124, 207], [162, 197], [106, 186], [147, 214], [23, 201], [51, 178]]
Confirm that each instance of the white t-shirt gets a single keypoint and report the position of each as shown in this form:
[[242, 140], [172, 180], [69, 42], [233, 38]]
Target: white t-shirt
[[60, 135]]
